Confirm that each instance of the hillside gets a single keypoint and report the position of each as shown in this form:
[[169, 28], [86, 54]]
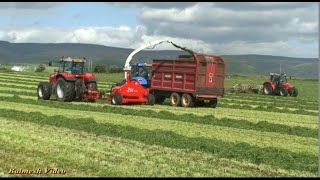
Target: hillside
[[35, 53]]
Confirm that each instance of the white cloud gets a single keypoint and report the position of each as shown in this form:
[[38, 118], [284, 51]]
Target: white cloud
[[216, 28]]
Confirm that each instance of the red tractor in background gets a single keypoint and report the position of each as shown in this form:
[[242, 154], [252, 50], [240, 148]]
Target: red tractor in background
[[278, 85], [70, 83]]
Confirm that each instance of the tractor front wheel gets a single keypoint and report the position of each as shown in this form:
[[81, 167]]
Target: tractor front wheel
[[151, 99], [283, 92], [267, 89], [44, 90], [65, 91], [293, 92], [116, 99]]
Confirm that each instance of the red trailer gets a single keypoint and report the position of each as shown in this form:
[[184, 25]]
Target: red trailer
[[189, 80]]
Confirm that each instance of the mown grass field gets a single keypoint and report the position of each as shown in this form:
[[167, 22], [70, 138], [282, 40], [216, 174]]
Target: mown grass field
[[245, 136]]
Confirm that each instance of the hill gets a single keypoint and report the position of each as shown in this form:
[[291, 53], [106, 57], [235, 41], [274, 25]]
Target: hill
[[35, 53]]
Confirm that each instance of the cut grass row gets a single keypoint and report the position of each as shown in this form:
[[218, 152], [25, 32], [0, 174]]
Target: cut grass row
[[30, 85], [261, 139], [39, 79], [232, 150], [236, 114], [275, 98], [109, 156], [259, 108], [107, 85], [233, 100], [270, 103], [35, 83], [262, 126]]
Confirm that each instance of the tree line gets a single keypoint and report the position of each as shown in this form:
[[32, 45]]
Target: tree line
[[107, 69]]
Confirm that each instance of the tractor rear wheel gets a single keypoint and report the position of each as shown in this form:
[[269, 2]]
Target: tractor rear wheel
[[44, 90], [175, 99], [187, 100], [116, 99], [213, 103], [267, 89], [65, 91], [293, 92], [80, 88], [283, 92], [151, 99]]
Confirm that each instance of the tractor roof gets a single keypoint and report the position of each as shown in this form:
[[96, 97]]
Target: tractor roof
[[72, 59], [277, 74]]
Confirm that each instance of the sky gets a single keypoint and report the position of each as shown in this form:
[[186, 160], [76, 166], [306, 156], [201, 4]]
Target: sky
[[221, 28]]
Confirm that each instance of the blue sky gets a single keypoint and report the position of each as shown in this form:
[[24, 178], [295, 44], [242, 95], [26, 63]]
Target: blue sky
[[276, 28], [76, 14]]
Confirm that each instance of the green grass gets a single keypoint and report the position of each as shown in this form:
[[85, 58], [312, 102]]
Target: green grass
[[208, 119], [234, 114], [292, 143], [100, 156], [234, 150], [99, 139]]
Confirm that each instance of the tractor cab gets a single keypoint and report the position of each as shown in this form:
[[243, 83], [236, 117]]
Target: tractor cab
[[142, 73], [71, 65], [278, 79]]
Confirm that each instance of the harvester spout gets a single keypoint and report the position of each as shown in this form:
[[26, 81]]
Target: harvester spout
[[127, 67]]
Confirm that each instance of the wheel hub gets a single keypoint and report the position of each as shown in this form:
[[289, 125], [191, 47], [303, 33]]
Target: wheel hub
[[40, 92], [174, 100], [59, 91]]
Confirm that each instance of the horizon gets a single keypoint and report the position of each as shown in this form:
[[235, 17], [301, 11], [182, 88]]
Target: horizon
[[165, 50]]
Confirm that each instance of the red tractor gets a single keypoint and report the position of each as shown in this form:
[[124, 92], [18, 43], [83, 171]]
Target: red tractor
[[278, 85], [70, 83]]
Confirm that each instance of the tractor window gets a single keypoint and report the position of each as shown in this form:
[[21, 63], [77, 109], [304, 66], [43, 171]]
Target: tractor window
[[61, 67], [77, 68], [143, 71], [67, 66], [283, 78]]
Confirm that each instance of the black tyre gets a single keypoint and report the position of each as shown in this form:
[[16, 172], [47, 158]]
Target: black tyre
[[293, 92], [65, 91], [213, 103], [151, 99], [175, 99], [44, 90], [283, 92], [187, 100], [267, 89], [80, 88], [92, 86], [159, 99], [199, 103], [116, 99]]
